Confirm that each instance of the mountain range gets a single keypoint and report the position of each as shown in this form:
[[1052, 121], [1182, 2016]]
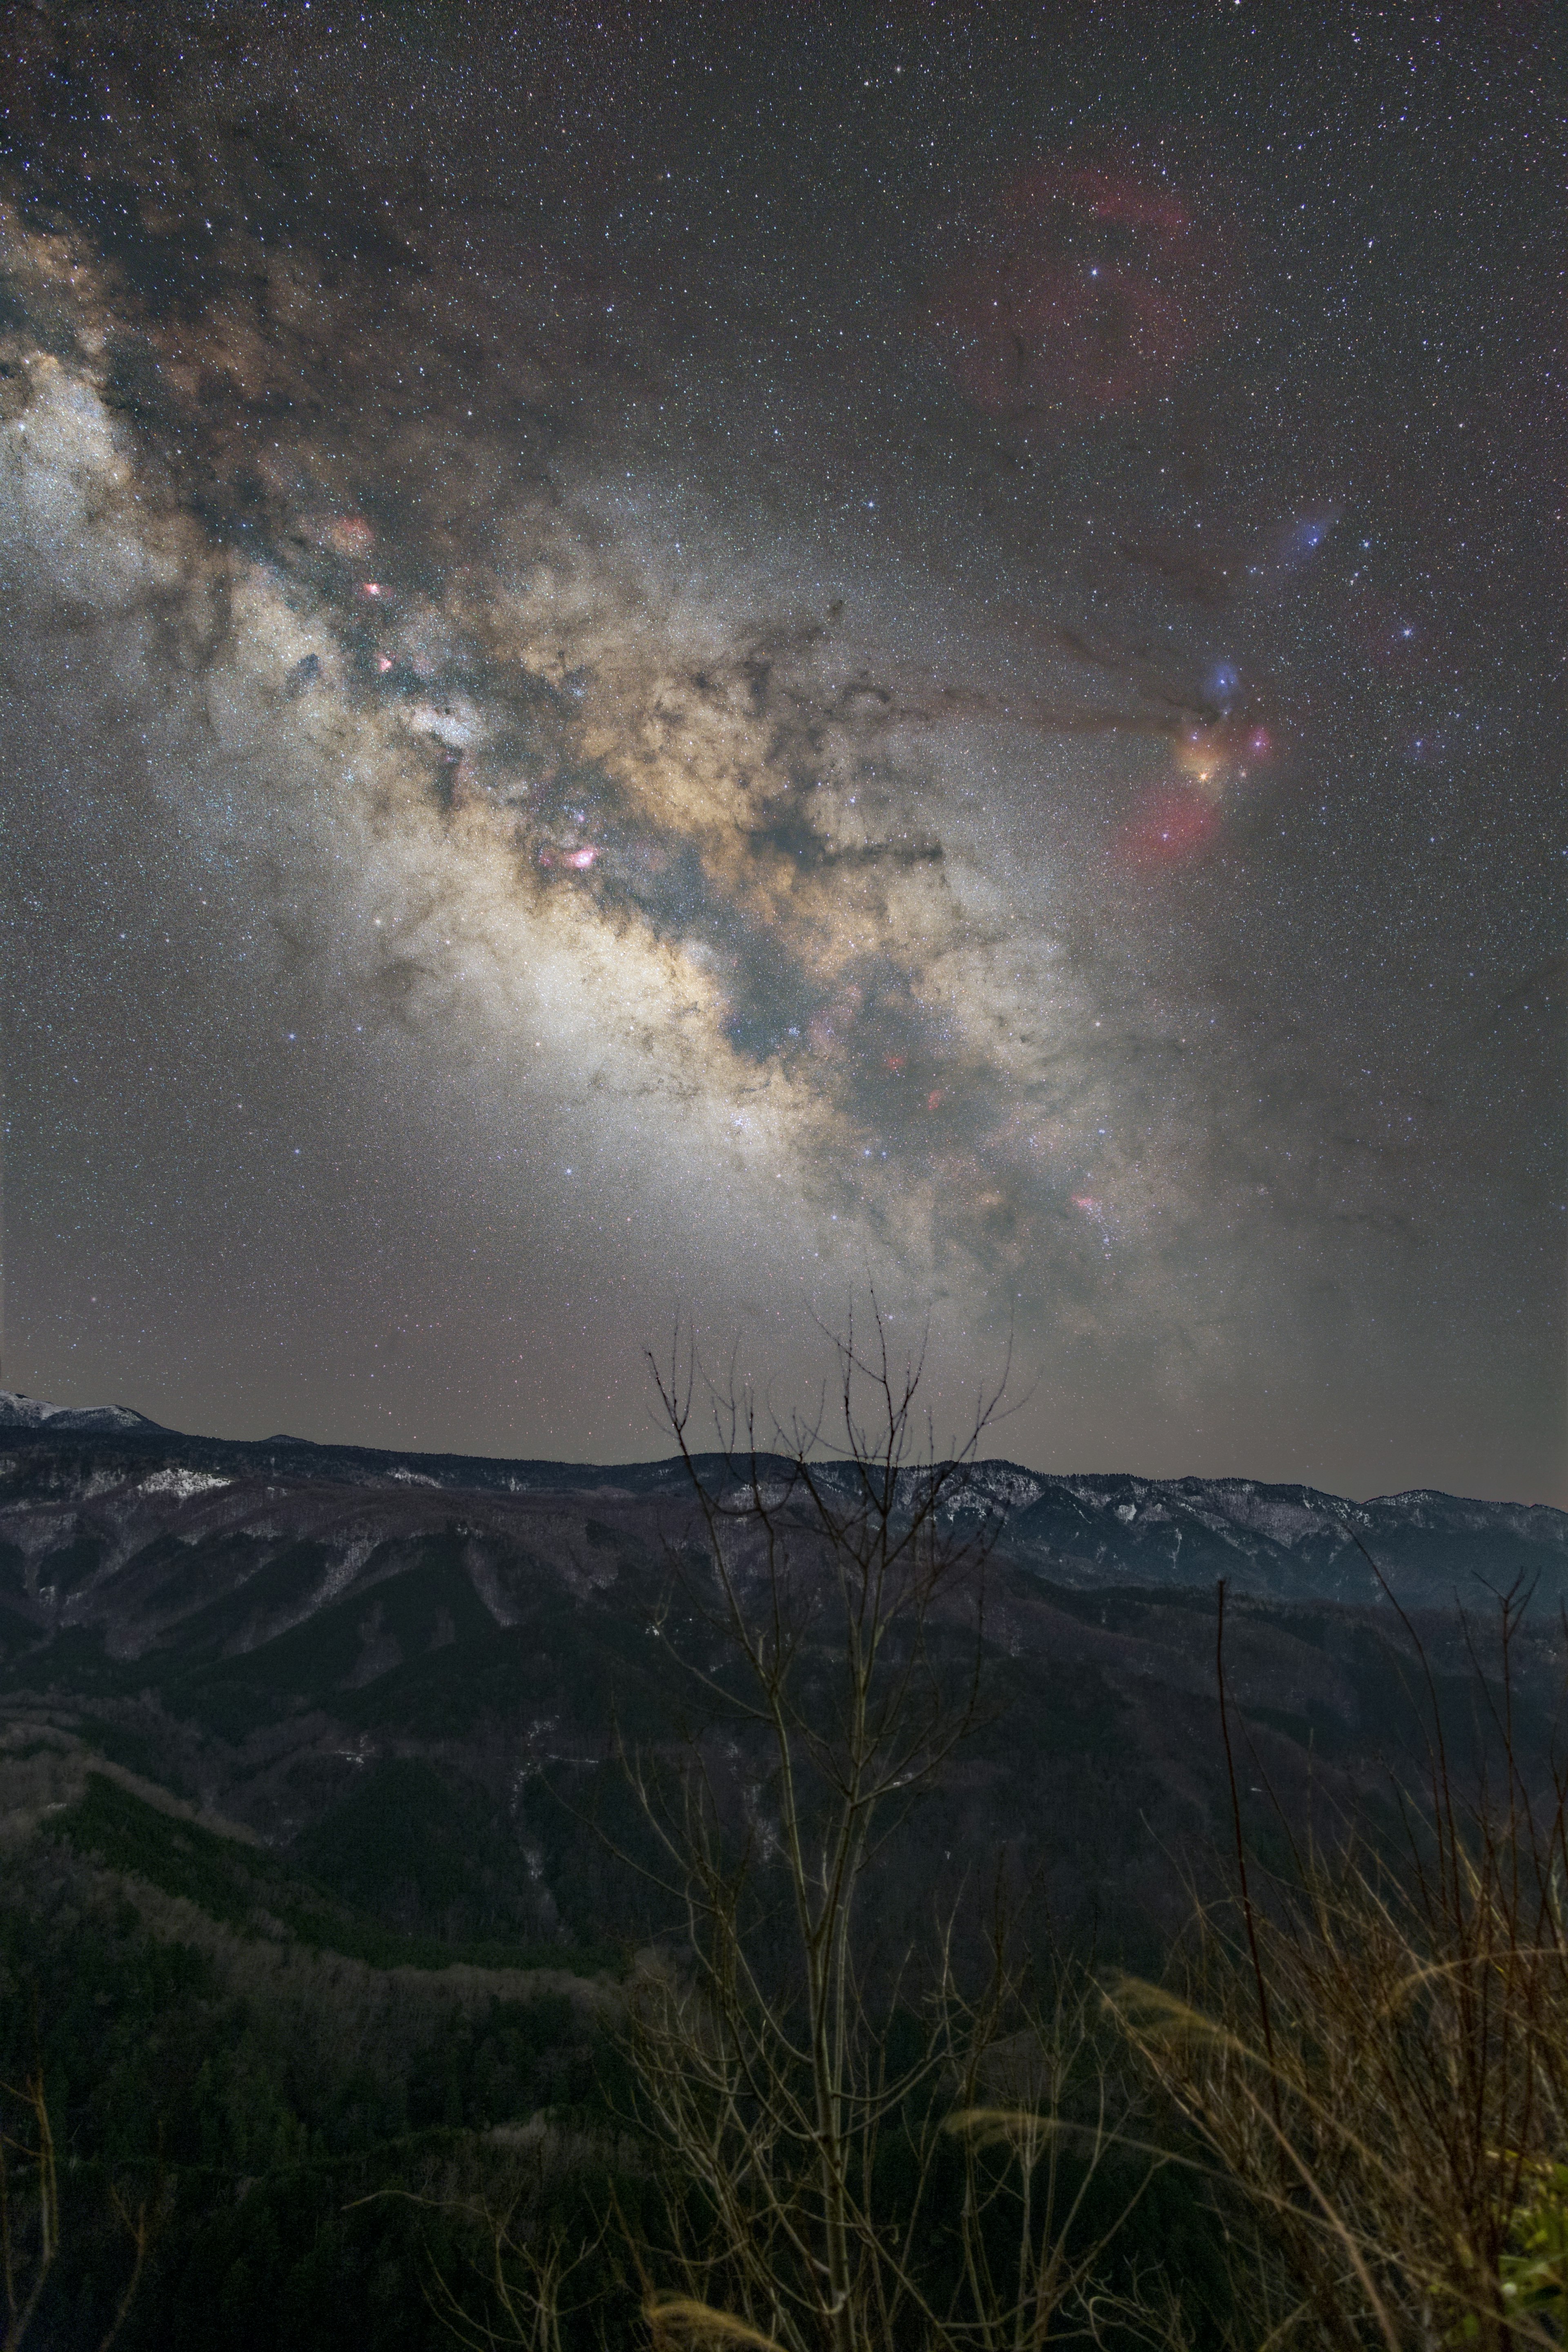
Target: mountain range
[[402, 1677], [1095, 1530], [321, 1870]]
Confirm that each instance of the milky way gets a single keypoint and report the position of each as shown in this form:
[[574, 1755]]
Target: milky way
[[662, 666]]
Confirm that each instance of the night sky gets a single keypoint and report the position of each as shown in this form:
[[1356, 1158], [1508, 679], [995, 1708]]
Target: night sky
[[682, 660]]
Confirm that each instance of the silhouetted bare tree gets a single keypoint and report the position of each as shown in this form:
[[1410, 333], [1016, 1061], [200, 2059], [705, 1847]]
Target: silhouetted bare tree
[[836, 1598]]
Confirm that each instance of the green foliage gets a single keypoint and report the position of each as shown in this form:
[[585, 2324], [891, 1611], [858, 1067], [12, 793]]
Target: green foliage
[[244, 1885], [410, 1849], [291, 2058], [1533, 2268], [112, 1826], [124, 1743], [259, 2092], [71, 1564], [76, 1662]]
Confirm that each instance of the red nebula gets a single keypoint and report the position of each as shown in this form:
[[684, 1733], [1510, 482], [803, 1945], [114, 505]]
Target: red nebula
[[1174, 824], [1087, 294], [350, 535]]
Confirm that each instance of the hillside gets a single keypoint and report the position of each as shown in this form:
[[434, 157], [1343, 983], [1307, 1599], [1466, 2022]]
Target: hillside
[[321, 1880], [407, 1672]]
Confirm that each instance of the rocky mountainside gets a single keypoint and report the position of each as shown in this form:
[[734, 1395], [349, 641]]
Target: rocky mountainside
[[1297, 1543], [402, 1677], [1429, 1549]]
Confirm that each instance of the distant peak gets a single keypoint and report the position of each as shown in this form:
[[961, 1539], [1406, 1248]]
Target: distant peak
[[18, 1412]]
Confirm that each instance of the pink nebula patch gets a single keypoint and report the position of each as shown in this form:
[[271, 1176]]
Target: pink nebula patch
[[350, 535], [1086, 293], [1172, 826]]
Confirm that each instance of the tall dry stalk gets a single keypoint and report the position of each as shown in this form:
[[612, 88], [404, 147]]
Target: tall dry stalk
[[527, 2295], [29, 2203], [1052, 2174], [535, 2280], [1376, 2052], [30, 2234]]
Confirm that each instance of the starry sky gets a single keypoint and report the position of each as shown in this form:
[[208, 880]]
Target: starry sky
[[685, 661]]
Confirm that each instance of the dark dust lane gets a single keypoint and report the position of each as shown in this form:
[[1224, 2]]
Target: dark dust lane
[[660, 663]]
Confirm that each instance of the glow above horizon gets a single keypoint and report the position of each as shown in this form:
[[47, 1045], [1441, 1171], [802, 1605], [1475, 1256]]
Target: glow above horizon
[[641, 732]]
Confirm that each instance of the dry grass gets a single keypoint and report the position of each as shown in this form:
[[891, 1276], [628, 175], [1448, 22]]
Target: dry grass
[[1375, 2051]]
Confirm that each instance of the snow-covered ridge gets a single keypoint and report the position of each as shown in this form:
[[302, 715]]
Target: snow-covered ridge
[[1081, 1530], [18, 1412]]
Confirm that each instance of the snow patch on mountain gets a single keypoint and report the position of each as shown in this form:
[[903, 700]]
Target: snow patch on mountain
[[18, 1412], [184, 1483]]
